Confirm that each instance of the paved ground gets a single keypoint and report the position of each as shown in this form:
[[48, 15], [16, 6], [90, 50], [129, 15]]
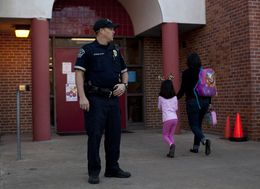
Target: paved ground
[[61, 164]]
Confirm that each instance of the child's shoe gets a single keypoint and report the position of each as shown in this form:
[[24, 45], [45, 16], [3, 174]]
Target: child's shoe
[[172, 151]]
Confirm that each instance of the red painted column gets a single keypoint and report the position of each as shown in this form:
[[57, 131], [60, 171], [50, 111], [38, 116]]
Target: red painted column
[[40, 80], [170, 47]]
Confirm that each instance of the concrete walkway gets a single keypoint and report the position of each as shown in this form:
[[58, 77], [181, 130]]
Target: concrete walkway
[[61, 163]]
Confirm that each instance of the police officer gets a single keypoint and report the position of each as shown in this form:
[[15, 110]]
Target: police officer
[[101, 77]]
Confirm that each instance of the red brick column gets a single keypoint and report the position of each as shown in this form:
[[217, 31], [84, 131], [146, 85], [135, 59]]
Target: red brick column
[[40, 80], [170, 46]]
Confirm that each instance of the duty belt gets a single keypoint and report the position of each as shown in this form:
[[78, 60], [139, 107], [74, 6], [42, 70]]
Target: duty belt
[[99, 91]]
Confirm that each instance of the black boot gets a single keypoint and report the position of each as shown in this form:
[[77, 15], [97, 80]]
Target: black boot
[[194, 150], [207, 147], [117, 173], [93, 179]]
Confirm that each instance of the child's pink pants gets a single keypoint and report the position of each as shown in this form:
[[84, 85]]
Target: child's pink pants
[[168, 130]]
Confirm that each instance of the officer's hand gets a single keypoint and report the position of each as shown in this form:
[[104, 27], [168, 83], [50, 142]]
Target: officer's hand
[[84, 104], [119, 89]]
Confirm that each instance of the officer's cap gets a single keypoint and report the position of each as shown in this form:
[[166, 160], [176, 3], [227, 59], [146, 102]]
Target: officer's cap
[[104, 23]]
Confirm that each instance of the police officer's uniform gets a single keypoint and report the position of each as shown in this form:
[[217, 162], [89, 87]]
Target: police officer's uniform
[[103, 66]]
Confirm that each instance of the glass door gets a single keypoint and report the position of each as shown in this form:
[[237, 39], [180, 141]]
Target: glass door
[[133, 58]]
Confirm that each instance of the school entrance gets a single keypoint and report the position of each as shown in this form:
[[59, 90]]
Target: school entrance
[[66, 116]]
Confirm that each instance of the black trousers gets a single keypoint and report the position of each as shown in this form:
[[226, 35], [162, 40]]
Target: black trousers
[[195, 117], [103, 118]]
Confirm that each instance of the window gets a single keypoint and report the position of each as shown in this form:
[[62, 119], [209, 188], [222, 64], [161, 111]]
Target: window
[[133, 58]]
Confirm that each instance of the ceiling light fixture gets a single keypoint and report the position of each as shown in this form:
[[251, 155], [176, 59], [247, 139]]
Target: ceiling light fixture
[[82, 39], [22, 31]]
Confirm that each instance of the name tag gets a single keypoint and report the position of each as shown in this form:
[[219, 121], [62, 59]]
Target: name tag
[[98, 54]]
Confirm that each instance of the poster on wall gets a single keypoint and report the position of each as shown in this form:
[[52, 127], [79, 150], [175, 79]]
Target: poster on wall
[[66, 67], [71, 78], [71, 92], [70, 86]]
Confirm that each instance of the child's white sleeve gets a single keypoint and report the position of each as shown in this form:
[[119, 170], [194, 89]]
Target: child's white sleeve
[[175, 104]]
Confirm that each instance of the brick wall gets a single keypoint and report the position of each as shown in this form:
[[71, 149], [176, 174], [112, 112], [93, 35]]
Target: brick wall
[[15, 69], [254, 32], [224, 45], [152, 58]]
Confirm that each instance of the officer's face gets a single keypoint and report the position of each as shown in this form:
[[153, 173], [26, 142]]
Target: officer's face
[[108, 33]]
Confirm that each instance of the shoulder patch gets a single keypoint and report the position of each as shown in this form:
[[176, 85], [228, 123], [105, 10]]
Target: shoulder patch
[[115, 53], [81, 53]]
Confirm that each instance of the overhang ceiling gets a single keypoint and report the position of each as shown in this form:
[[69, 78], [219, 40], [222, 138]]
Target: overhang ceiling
[[156, 31], [7, 24]]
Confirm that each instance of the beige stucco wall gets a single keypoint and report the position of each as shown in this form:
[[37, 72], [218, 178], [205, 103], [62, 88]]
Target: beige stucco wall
[[147, 14], [144, 14], [183, 11], [26, 8]]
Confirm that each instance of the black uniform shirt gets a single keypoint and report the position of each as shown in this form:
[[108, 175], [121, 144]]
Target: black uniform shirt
[[102, 64]]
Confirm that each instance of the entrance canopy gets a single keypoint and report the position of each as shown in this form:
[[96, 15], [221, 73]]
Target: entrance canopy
[[26, 8], [146, 15], [13, 12]]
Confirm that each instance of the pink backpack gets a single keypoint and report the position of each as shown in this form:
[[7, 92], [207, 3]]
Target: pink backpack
[[206, 85]]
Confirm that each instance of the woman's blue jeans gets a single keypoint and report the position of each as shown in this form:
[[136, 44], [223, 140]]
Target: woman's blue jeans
[[195, 117]]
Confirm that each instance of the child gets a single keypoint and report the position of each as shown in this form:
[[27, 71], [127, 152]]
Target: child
[[168, 105]]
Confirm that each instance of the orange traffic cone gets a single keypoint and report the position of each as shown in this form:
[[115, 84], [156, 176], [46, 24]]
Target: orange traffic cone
[[227, 133], [238, 134]]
